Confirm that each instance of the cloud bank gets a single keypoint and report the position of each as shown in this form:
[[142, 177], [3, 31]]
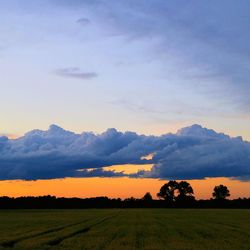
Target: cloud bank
[[192, 153]]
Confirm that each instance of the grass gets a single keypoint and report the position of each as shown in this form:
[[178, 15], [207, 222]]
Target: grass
[[125, 229]]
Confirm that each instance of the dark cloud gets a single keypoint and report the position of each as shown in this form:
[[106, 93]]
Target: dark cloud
[[75, 72], [99, 172], [193, 153]]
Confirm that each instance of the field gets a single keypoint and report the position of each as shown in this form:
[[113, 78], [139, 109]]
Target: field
[[125, 229]]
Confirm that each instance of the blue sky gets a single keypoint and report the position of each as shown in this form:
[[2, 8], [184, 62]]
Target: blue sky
[[145, 66]]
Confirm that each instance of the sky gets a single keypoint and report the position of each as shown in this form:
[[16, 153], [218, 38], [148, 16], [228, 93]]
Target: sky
[[149, 67]]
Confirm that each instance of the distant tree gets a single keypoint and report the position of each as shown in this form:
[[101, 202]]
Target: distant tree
[[221, 192], [147, 197], [185, 191], [167, 191], [131, 199]]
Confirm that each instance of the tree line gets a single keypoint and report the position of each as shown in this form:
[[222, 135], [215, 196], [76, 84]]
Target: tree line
[[172, 194]]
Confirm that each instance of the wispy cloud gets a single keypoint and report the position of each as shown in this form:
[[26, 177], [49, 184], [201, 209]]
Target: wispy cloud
[[164, 111], [83, 21], [75, 72]]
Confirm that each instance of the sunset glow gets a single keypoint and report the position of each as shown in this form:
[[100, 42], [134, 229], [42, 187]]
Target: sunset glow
[[114, 187]]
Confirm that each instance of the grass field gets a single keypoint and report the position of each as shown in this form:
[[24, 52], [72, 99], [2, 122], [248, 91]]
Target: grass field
[[125, 229]]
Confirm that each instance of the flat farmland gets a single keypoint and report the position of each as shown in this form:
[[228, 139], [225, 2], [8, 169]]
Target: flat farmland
[[125, 229]]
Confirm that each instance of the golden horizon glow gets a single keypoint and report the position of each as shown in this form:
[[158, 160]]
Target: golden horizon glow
[[121, 187], [129, 168]]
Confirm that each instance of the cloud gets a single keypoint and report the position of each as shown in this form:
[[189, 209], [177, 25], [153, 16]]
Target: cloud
[[75, 72], [163, 111], [192, 153], [99, 172], [83, 21]]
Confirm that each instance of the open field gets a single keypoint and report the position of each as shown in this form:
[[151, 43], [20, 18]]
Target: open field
[[125, 229]]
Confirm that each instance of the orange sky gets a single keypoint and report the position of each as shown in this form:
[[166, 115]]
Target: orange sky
[[114, 187]]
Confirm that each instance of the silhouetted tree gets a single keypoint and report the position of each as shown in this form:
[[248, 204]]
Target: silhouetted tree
[[221, 192], [167, 191], [185, 191], [147, 197]]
